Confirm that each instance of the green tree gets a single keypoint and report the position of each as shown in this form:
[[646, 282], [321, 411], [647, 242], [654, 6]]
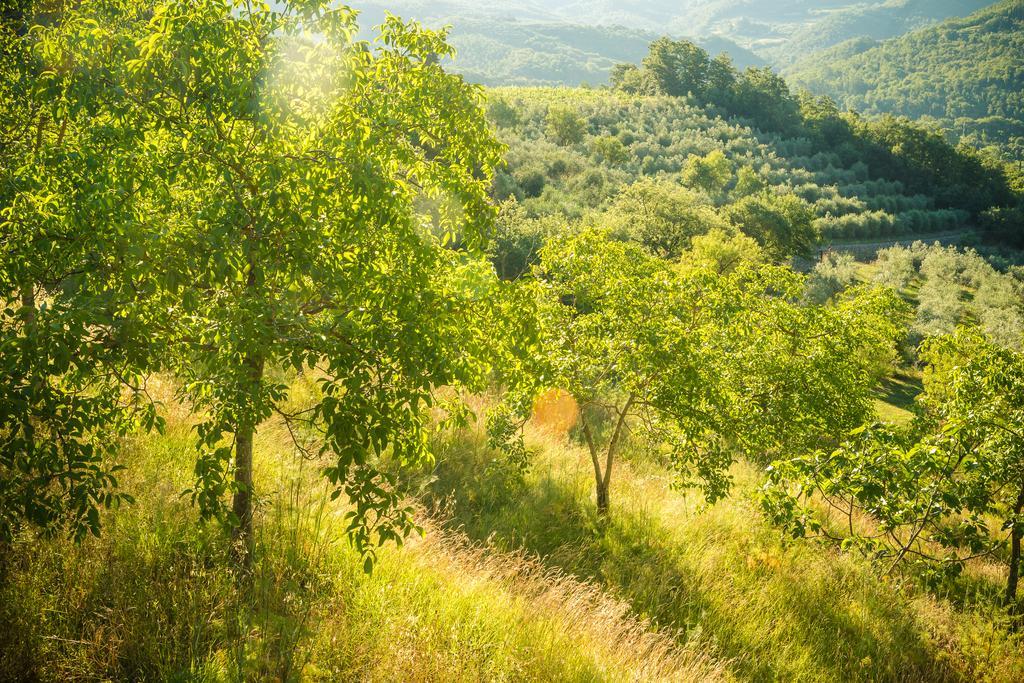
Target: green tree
[[294, 169], [724, 252], [764, 97], [258, 199], [931, 493], [678, 68], [610, 150], [782, 224], [565, 126]]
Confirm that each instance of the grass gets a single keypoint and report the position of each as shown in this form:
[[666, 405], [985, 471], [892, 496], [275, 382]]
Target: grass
[[895, 398], [515, 579], [155, 598], [773, 610]]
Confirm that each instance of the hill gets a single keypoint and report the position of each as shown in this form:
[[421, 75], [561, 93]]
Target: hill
[[533, 48], [877, 21], [565, 42], [967, 74]]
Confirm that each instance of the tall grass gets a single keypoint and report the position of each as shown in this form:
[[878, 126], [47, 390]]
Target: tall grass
[[775, 610], [156, 598]]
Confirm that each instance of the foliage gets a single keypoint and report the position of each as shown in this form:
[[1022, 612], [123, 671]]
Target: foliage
[[271, 200], [953, 287], [800, 374], [930, 495], [831, 275], [705, 362], [864, 180]]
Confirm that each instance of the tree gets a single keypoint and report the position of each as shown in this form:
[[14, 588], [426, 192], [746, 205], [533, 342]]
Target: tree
[[724, 252], [663, 216], [632, 79], [291, 202], [709, 173], [782, 224], [930, 492], [801, 375], [565, 126], [295, 169], [610, 150], [503, 114], [703, 362], [624, 335], [764, 97], [678, 68], [70, 358]]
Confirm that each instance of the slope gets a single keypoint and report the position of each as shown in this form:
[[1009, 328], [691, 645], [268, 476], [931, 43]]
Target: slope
[[157, 598], [967, 74]]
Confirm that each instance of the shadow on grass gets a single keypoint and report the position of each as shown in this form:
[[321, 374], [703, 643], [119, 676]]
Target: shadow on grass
[[722, 576], [900, 390]]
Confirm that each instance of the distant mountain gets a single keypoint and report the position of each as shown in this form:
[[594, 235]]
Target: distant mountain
[[546, 41], [968, 74], [496, 50]]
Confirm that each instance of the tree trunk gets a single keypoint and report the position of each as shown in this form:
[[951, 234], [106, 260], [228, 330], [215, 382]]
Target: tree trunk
[[603, 501], [1015, 540], [242, 501]]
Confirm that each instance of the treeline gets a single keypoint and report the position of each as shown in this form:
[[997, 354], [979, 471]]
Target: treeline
[[893, 148]]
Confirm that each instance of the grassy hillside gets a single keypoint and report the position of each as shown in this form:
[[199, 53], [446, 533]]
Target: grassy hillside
[[967, 73], [158, 597], [540, 590]]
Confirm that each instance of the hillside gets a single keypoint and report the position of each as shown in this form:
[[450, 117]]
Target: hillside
[[568, 43], [857, 190], [968, 74], [320, 361], [513, 583]]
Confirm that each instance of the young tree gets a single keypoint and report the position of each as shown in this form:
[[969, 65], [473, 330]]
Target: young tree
[[932, 492], [710, 173], [707, 362], [622, 333], [296, 166]]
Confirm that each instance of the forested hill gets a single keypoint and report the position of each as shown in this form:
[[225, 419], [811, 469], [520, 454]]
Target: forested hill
[[966, 73], [876, 21], [520, 50], [567, 42]]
